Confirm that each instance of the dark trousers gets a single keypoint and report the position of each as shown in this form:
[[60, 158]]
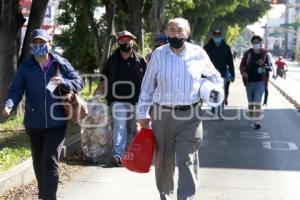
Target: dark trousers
[[46, 146], [226, 89], [266, 95]]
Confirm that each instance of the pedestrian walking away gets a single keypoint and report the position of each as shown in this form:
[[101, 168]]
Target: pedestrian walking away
[[221, 56], [254, 66], [170, 99], [123, 72], [45, 121]]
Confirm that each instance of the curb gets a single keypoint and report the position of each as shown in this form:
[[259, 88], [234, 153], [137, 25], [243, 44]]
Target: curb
[[287, 96], [23, 173], [19, 175]]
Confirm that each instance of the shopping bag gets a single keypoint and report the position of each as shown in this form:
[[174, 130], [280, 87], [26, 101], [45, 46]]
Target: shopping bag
[[139, 155]]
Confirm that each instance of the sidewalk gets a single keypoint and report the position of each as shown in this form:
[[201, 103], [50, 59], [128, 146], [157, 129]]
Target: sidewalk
[[290, 86]]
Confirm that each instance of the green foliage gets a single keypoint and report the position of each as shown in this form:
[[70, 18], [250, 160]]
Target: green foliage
[[14, 148], [13, 123], [9, 157], [231, 16], [76, 40], [232, 33], [233, 23], [85, 93], [204, 13]]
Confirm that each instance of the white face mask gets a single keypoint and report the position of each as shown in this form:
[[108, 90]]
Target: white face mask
[[256, 46]]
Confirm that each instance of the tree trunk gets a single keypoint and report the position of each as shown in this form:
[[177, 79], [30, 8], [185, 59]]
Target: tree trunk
[[110, 7], [157, 17], [37, 13], [11, 21], [135, 24], [95, 35]]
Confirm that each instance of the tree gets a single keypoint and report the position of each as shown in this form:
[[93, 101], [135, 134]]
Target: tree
[[233, 23], [88, 13], [157, 16], [135, 24], [110, 8], [11, 21], [36, 17]]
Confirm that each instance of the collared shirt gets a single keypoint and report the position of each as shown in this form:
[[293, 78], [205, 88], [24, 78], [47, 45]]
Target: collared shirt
[[172, 79]]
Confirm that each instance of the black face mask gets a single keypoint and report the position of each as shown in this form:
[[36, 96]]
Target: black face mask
[[126, 47], [176, 42]]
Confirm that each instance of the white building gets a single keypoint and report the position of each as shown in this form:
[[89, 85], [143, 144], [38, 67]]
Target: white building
[[292, 29], [274, 34]]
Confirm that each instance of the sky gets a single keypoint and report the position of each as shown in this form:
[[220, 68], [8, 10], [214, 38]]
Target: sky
[[275, 12]]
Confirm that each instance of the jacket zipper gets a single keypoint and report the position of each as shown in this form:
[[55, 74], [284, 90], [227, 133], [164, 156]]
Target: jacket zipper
[[45, 81], [45, 78]]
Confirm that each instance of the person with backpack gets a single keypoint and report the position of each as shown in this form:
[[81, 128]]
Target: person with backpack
[[123, 74], [255, 69]]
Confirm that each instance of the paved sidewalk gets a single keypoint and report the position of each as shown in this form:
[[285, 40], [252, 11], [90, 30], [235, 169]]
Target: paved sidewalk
[[290, 86]]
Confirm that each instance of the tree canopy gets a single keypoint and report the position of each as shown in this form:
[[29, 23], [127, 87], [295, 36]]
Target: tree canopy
[[231, 16]]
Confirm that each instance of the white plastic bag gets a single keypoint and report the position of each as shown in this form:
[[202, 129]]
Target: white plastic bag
[[96, 133]]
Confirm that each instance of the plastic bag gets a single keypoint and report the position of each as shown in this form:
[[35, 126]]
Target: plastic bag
[[139, 155], [96, 133]]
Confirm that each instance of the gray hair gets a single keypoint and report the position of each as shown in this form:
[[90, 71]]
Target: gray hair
[[183, 22]]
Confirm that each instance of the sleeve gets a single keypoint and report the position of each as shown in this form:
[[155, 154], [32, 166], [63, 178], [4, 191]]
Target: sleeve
[[147, 88], [230, 63], [106, 70], [16, 90], [71, 81], [270, 63], [209, 71], [143, 63], [243, 64]]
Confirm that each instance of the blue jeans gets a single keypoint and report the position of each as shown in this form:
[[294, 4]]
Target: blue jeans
[[255, 91], [123, 118]]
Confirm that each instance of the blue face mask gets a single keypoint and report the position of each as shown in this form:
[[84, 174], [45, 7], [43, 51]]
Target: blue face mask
[[39, 50], [217, 40]]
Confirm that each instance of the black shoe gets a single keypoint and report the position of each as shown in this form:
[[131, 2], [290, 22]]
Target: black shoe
[[115, 161], [257, 125], [226, 102]]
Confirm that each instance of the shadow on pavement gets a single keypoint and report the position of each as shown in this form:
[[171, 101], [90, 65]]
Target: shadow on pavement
[[235, 144]]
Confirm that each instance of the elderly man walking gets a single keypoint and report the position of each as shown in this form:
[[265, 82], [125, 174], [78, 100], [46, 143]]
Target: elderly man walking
[[170, 94]]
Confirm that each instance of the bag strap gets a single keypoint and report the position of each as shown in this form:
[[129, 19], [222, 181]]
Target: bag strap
[[56, 74], [57, 69]]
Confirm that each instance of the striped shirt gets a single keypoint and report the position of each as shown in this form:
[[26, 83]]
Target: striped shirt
[[172, 79]]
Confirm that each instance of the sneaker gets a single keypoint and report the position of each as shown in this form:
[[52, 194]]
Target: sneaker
[[257, 125], [115, 161]]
